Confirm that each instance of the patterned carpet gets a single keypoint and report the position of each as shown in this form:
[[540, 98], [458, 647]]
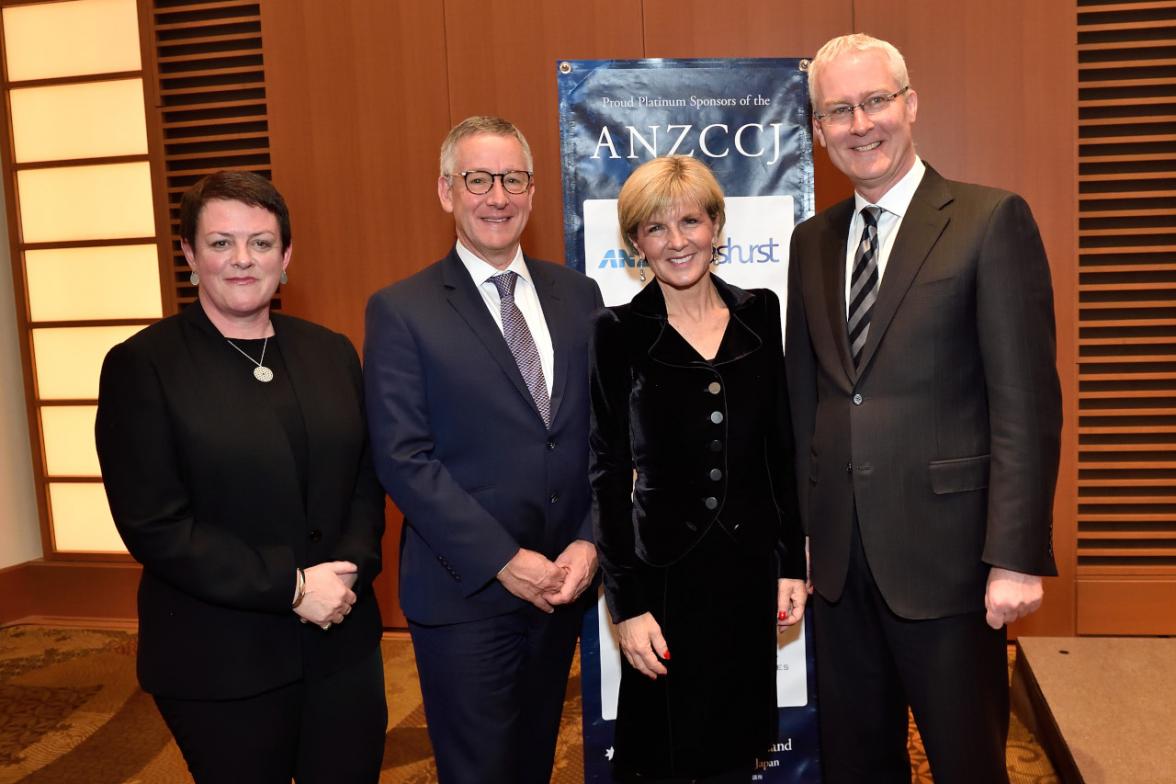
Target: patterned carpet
[[71, 713]]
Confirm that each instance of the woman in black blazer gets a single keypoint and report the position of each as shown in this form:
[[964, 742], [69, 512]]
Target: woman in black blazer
[[235, 457], [703, 555]]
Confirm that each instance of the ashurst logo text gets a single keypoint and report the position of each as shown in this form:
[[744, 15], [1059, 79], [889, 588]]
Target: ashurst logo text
[[731, 251]]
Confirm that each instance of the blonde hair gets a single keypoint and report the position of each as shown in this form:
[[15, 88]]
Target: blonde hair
[[656, 186], [472, 126], [856, 42]]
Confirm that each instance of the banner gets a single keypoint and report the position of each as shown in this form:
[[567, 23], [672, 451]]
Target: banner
[[748, 119]]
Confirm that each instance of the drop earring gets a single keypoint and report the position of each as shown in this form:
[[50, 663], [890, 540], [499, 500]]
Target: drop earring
[[641, 265], [714, 252], [194, 278], [283, 279]]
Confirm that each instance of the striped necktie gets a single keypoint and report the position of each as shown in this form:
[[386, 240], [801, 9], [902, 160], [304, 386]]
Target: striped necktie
[[522, 345], [863, 289]]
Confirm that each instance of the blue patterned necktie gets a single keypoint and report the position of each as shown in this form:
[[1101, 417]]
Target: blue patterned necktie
[[522, 345], [863, 288]]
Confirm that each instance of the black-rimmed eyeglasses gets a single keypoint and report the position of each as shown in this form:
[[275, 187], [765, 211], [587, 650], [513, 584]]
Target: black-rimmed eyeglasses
[[480, 182], [843, 113]]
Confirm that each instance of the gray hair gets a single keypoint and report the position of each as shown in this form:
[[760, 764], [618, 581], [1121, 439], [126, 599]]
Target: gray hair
[[472, 126], [856, 42]]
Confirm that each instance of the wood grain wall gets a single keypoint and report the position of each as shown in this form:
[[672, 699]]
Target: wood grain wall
[[361, 92]]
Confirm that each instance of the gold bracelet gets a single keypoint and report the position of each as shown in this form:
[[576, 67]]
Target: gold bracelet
[[299, 589]]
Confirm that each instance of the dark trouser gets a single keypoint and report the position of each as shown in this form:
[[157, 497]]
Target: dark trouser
[[953, 672], [493, 691], [329, 731]]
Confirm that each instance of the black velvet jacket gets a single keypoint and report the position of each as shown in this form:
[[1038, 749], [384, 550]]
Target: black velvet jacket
[[711, 442]]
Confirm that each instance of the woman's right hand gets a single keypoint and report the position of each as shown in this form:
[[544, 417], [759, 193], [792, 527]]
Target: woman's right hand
[[328, 598], [643, 645]]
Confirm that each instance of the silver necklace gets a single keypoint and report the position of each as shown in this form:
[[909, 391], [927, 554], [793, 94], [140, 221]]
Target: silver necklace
[[261, 372]]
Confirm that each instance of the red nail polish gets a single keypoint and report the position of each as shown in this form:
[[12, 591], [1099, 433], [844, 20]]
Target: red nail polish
[[666, 655], [781, 615]]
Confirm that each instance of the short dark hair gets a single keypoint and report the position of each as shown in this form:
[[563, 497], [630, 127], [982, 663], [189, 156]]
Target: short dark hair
[[242, 186]]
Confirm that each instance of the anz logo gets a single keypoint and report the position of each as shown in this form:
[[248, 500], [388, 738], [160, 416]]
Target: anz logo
[[619, 258], [730, 252]]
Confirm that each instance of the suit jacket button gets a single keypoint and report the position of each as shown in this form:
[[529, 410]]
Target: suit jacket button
[[315, 535], [715, 474], [849, 467], [714, 387], [711, 502], [554, 498], [693, 526], [716, 445], [857, 398], [716, 417], [551, 445]]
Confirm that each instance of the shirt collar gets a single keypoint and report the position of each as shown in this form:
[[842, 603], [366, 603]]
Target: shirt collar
[[481, 271], [898, 199]]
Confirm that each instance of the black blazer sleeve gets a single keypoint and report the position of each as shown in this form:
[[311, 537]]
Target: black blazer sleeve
[[779, 447], [149, 499], [611, 467]]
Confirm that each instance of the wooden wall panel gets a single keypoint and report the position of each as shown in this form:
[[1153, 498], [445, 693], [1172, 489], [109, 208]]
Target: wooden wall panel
[[361, 92], [752, 28], [997, 105], [502, 57], [358, 103]]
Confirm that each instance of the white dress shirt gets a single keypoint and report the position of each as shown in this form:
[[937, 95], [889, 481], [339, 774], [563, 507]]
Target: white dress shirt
[[894, 203], [525, 297]]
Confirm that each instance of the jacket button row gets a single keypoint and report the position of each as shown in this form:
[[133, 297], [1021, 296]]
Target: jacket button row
[[449, 568]]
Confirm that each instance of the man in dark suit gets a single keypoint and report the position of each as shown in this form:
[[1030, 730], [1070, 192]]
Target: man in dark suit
[[477, 381], [926, 405]]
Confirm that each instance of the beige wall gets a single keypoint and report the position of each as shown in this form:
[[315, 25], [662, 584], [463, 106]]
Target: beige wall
[[20, 533]]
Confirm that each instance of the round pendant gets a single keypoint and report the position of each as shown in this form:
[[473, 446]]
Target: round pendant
[[263, 374]]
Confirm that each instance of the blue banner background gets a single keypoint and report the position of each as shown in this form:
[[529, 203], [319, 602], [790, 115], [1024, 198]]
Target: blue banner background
[[748, 119]]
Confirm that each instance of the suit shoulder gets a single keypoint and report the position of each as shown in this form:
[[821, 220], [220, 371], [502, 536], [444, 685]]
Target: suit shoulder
[[977, 194], [563, 275], [155, 341], [309, 332], [818, 221], [408, 290]]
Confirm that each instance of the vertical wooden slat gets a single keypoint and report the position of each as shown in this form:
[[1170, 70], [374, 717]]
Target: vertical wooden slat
[[211, 111], [1127, 312]]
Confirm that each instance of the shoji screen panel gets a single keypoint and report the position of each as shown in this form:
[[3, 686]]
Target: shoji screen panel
[[83, 235]]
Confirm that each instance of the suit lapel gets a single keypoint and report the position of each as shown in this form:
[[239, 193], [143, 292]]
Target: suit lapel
[[550, 300], [920, 230], [464, 297], [834, 241]]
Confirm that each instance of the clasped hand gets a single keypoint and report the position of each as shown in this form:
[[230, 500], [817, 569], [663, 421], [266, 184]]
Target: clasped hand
[[328, 598], [531, 576]]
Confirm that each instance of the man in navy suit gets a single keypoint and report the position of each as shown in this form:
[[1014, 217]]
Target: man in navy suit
[[927, 413], [477, 393]]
